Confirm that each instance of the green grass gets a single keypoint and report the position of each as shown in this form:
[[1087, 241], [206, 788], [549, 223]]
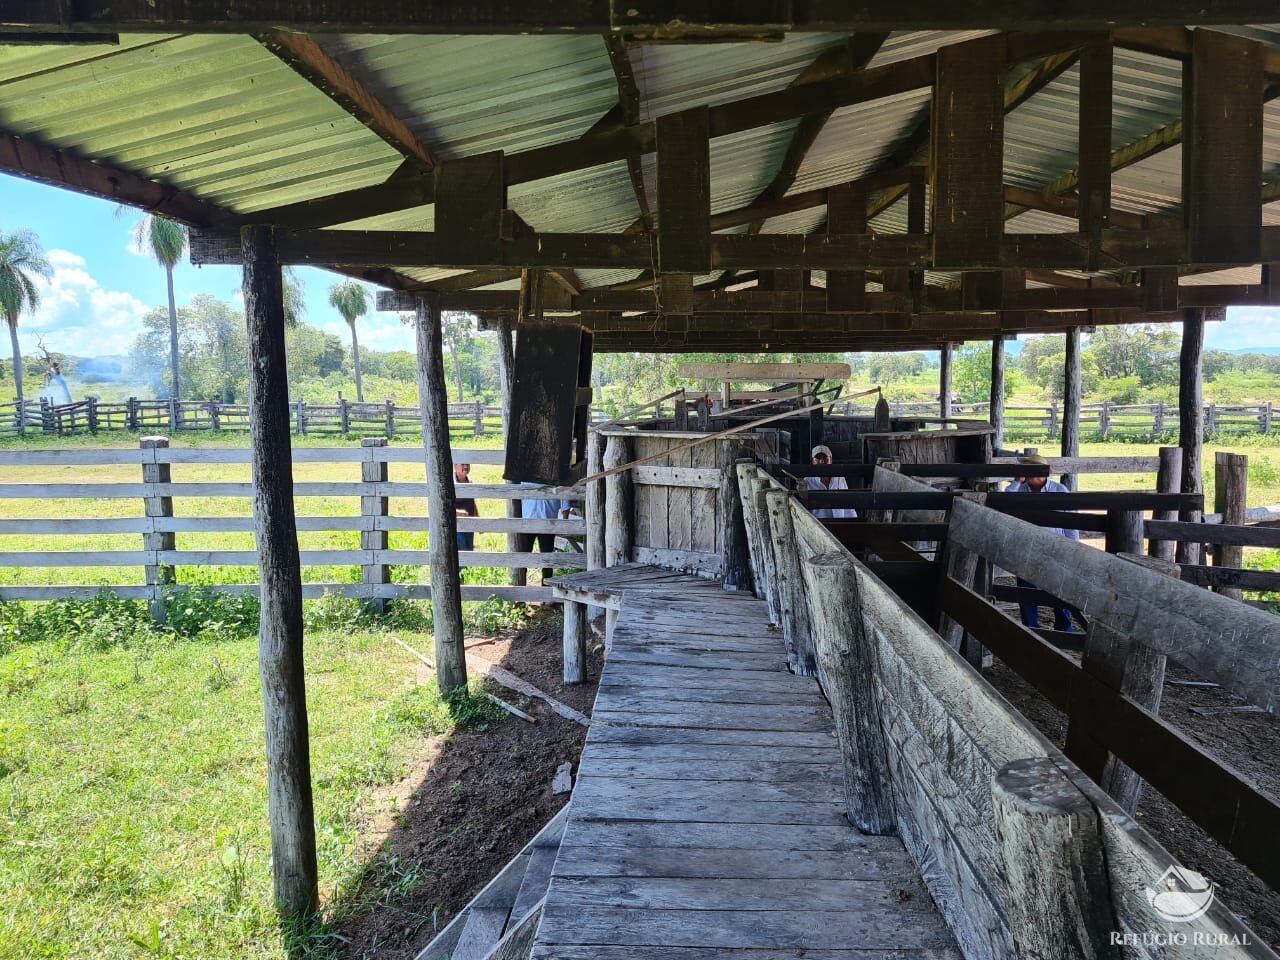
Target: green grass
[[132, 778]]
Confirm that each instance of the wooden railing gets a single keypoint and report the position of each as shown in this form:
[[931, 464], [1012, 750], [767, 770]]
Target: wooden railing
[[1023, 852], [1099, 420], [158, 523]]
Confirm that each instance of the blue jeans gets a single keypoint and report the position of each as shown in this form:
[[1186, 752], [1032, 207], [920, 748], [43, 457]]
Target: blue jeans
[[1031, 613], [466, 541]]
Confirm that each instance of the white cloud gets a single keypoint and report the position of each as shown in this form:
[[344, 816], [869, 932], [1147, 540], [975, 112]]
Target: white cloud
[[77, 315], [377, 331]]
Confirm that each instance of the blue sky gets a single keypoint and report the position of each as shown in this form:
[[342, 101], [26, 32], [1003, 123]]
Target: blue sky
[[102, 285]]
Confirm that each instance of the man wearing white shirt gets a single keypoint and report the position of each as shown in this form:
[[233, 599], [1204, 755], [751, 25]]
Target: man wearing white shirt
[[821, 457]]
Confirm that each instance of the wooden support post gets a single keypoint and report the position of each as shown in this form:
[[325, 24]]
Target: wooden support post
[[1222, 147], [1190, 426], [756, 532], [1230, 495], [797, 631], [280, 635], [846, 214], [175, 417], [371, 538], [302, 417], [575, 642], [1168, 480], [848, 668], [968, 152], [944, 381], [157, 574], [446, 587], [735, 554], [997, 391], [764, 533], [470, 196], [1095, 143], [390, 418], [91, 409], [594, 511], [962, 566], [1073, 373], [344, 415], [1058, 894], [684, 191], [130, 414], [530, 285], [971, 648], [619, 511]]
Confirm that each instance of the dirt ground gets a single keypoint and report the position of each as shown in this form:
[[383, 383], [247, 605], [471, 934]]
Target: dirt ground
[[1231, 730], [468, 805]]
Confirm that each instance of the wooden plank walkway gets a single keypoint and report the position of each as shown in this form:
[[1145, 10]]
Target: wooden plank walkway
[[707, 820]]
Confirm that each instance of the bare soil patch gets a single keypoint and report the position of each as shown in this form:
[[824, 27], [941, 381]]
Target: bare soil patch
[[468, 805]]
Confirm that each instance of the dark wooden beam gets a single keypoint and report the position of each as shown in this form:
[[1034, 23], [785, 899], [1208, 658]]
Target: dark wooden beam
[[629, 107], [664, 21], [1222, 152], [684, 192], [469, 221], [1121, 249], [1094, 124], [310, 61], [968, 151], [29, 158], [847, 212]]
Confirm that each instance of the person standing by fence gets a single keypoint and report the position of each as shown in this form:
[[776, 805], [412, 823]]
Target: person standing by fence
[[1030, 612], [464, 506], [542, 510]]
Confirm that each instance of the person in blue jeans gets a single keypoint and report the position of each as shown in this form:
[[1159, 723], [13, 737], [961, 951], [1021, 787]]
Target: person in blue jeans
[[464, 506], [542, 510], [1030, 612]]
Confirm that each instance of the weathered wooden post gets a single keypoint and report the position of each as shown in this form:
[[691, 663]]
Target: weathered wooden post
[[1190, 426], [757, 537], [91, 410], [344, 415], [1266, 418], [446, 588], [962, 566], [1168, 480], [391, 418], [506, 377], [1073, 371], [594, 509], [848, 664], [373, 537], [280, 635], [575, 642], [619, 513], [797, 632], [944, 381], [175, 415], [156, 575], [735, 554], [131, 413], [997, 391], [215, 415], [1157, 425], [1230, 494], [1058, 894], [477, 420]]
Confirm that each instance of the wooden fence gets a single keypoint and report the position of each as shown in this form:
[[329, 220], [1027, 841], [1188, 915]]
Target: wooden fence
[[158, 523], [1148, 421], [345, 417], [1016, 842]]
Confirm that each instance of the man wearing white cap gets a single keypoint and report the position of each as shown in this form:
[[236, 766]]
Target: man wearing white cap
[[821, 457]]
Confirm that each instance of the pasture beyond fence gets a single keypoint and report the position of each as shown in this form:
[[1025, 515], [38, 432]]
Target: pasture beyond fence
[[386, 418], [158, 522]]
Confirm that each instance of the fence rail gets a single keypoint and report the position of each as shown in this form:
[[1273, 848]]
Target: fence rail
[[159, 523], [1104, 420]]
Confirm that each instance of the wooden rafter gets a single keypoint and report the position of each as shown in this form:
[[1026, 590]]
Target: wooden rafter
[[721, 19], [853, 55], [311, 62], [614, 144], [629, 108]]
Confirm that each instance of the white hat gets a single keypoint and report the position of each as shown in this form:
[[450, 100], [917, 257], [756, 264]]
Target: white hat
[[821, 448]]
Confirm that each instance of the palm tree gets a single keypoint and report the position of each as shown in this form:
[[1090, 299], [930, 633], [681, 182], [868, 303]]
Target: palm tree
[[21, 258], [294, 305], [167, 241], [352, 301]]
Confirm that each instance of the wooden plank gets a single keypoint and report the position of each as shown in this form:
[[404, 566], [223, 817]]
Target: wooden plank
[[470, 196], [1222, 155], [795, 865], [680, 503], [703, 478], [1094, 140], [721, 893], [846, 213], [1242, 536], [703, 504], [968, 148], [684, 191]]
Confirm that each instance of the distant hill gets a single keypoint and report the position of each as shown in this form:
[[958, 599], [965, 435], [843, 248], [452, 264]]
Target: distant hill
[[1265, 351]]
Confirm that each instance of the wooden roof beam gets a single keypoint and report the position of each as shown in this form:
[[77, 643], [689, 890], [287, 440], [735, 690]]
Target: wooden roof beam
[[719, 19], [612, 145], [310, 61], [629, 106]]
